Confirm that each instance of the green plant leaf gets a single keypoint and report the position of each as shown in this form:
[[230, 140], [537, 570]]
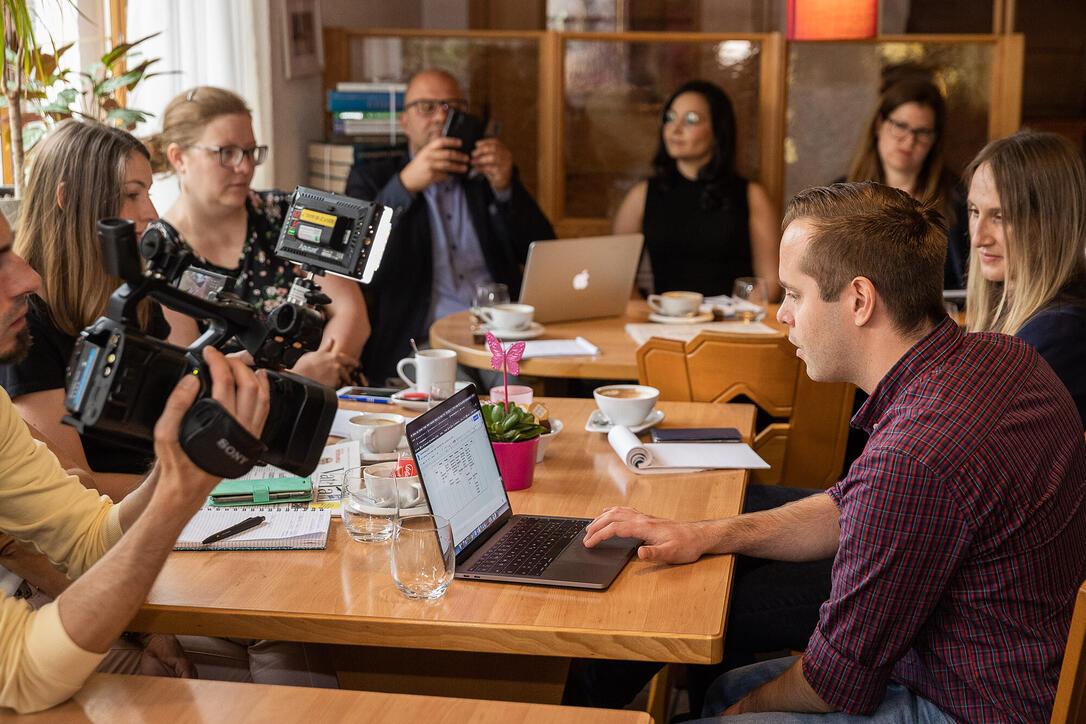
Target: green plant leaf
[[128, 116], [122, 50], [31, 135], [111, 84]]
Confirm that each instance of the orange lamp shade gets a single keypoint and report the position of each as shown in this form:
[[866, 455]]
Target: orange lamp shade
[[832, 19]]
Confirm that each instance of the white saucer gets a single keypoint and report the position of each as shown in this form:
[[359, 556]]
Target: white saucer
[[533, 330], [598, 422], [688, 319], [421, 405], [372, 457]]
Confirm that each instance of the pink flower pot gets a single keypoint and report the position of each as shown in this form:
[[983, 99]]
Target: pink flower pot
[[516, 462]]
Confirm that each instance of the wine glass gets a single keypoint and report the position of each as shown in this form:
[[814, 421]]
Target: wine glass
[[751, 297]]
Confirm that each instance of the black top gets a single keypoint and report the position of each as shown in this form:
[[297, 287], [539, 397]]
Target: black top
[[695, 249], [45, 368], [1059, 334], [399, 297]]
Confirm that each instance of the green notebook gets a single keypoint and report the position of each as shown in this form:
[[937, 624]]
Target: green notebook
[[260, 492]]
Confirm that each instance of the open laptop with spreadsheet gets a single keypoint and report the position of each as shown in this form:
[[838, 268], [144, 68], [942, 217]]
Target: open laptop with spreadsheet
[[569, 279], [460, 475]]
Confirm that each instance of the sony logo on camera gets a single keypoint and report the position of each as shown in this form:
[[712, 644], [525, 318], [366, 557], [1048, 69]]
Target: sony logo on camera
[[232, 452]]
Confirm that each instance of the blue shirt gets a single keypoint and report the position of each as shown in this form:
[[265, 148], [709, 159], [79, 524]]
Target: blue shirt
[[458, 258]]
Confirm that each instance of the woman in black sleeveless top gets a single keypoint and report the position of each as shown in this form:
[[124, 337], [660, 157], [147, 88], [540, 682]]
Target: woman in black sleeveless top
[[704, 224]]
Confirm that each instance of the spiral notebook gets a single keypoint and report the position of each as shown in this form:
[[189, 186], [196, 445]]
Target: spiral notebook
[[281, 529]]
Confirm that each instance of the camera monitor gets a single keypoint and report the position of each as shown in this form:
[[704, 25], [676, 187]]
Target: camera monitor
[[334, 233]]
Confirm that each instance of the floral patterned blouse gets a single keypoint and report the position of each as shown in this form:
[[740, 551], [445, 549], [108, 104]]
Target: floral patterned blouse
[[261, 278]]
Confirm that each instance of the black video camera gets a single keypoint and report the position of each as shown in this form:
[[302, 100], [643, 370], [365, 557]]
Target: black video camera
[[119, 378]]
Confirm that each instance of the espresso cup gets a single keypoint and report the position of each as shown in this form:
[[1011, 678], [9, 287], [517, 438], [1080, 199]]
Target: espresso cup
[[381, 481], [431, 366], [377, 432], [510, 317], [626, 405], [676, 304]]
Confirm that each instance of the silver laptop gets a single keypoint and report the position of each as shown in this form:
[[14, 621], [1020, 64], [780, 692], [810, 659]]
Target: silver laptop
[[460, 475], [568, 279]]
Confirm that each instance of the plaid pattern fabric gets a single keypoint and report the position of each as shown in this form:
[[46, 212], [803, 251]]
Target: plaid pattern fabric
[[962, 535]]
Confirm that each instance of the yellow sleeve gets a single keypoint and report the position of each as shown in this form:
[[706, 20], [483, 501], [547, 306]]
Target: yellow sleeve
[[48, 509], [40, 665]]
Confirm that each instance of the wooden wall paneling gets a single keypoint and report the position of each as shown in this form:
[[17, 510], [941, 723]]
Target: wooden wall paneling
[[1008, 59], [772, 106], [551, 166], [1003, 17]]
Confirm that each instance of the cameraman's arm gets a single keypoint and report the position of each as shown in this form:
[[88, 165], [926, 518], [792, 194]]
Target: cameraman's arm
[[42, 412], [97, 606]]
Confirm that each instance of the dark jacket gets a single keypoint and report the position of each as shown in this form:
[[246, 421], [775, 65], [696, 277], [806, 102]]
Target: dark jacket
[[399, 297]]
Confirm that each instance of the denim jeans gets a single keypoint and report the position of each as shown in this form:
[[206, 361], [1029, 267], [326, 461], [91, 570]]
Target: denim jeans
[[898, 707]]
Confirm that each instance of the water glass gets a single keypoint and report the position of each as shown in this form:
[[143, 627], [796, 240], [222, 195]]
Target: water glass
[[752, 299], [439, 392], [487, 295], [368, 513], [423, 559]]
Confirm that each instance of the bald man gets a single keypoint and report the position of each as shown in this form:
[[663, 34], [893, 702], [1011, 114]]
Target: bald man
[[460, 221]]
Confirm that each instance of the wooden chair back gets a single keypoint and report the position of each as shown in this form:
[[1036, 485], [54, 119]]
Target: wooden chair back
[[806, 449], [1070, 703]]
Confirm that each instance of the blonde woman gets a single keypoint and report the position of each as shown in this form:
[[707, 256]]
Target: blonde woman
[[1027, 227], [902, 146], [207, 140], [82, 172]]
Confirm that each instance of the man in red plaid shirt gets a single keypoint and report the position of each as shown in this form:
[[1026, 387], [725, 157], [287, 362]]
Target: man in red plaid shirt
[[959, 534]]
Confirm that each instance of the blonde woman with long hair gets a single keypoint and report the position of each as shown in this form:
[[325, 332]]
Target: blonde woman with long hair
[[82, 172], [1027, 224]]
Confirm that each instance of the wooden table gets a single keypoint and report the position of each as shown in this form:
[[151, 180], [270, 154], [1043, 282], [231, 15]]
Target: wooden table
[[114, 699], [616, 360], [345, 594]]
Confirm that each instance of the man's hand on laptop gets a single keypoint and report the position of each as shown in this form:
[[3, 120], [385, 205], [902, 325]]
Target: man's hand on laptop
[[434, 162], [666, 541], [493, 160]]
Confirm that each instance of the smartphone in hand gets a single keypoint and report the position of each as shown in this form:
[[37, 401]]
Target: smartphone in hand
[[468, 128], [696, 434]]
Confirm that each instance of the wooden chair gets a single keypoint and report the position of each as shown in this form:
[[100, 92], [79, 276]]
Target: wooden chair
[[805, 450], [1070, 705]]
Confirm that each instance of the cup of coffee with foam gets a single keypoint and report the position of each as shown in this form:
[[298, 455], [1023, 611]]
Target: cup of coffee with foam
[[626, 405], [676, 304], [509, 317], [377, 432]]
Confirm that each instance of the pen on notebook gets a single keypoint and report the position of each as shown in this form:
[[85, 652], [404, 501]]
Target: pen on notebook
[[366, 398], [233, 530]]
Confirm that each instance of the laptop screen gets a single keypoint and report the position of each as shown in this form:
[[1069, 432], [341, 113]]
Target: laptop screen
[[457, 466]]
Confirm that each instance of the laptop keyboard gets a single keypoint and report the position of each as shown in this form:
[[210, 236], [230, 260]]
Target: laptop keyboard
[[529, 546]]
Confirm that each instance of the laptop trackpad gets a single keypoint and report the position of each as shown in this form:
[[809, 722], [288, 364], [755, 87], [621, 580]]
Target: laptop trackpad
[[578, 563]]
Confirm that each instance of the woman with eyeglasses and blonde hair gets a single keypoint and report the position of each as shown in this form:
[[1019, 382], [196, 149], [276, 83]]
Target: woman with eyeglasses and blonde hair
[[207, 140], [704, 224], [1027, 228], [902, 146]]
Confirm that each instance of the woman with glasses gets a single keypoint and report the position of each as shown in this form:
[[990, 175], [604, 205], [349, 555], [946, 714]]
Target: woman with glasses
[[1027, 229], [902, 146], [704, 224], [207, 140]]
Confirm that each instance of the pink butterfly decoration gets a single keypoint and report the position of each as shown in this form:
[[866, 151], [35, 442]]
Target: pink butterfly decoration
[[504, 360]]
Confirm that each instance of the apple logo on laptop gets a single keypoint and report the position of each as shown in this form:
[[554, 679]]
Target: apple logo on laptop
[[580, 280]]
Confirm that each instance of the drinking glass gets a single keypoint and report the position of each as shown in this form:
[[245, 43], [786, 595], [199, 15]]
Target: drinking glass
[[422, 558], [752, 299], [368, 514], [487, 295], [438, 393]]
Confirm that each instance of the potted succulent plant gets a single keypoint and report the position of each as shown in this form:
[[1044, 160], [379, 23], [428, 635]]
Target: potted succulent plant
[[514, 432]]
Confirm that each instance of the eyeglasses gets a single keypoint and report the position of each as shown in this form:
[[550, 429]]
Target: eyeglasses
[[690, 118], [232, 156], [900, 131], [429, 106]]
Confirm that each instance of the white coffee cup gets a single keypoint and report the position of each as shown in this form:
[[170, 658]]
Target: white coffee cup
[[676, 304], [626, 405], [377, 432], [431, 365], [508, 316], [381, 481]]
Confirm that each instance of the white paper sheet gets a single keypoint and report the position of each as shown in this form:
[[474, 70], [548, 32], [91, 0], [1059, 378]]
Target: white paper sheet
[[560, 348], [640, 333], [680, 457]]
